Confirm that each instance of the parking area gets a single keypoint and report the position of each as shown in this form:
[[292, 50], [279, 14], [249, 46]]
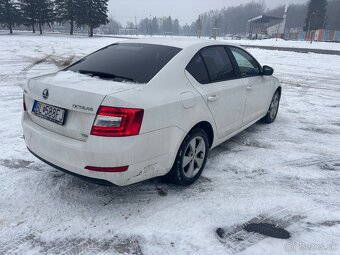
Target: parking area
[[286, 174]]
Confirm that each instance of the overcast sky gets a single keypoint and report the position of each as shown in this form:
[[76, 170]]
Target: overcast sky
[[185, 10]]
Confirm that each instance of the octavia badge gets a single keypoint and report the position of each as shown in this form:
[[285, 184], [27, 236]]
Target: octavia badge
[[45, 94]]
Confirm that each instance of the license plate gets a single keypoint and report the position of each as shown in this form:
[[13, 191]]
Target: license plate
[[49, 112]]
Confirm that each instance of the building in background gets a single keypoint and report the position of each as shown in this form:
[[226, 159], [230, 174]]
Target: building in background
[[266, 26]]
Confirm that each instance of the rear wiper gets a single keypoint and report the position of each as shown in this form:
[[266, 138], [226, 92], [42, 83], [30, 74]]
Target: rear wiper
[[105, 75]]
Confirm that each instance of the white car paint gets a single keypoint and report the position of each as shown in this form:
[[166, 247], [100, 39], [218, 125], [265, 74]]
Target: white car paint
[[173, 102]]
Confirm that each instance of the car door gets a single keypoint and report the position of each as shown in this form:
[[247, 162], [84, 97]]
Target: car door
[[257, 86], [214, 76]]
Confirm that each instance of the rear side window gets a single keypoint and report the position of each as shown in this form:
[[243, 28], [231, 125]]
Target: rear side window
[[218, 64], [197, 69], [247, 64], [126, 62]]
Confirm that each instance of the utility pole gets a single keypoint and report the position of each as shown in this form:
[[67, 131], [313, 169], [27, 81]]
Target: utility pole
[[278, 30], [199, 27], [250, 29], [283, 23], [150, 26], [215, 29], [309, 24], [136, 26]]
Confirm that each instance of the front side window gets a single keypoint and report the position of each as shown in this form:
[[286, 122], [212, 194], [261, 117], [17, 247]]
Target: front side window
[[247, 64], [135, 62], [218, 64]]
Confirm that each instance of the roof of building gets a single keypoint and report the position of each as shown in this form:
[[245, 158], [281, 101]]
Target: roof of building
[[264, 19]]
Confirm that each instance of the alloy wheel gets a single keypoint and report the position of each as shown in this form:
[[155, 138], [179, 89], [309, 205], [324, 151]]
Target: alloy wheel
[[274, 106], [194, 157]]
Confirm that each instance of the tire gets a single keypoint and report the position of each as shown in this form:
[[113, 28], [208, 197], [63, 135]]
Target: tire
[[273, 109], [189, 162]]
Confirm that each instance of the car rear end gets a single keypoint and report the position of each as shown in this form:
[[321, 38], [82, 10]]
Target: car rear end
[[73, 122]]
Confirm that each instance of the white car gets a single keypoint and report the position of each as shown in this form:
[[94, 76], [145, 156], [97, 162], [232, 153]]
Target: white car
[[139, 109]]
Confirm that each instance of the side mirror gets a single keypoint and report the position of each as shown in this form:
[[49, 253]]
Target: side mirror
[[267, 70]]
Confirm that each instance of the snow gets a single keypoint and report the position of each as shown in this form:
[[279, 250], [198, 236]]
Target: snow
[[288, 171], [62, 79], [290, 44]]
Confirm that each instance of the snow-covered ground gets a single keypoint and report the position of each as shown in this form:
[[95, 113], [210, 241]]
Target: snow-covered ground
[[287, 173], [266, 42], [290, 44]]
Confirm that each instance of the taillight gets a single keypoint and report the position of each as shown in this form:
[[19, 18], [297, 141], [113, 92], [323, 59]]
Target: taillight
[[23, 102], [113, 121]]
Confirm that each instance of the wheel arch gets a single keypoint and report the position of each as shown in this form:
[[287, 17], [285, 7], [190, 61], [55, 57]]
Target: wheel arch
[[207, 127], [203, 125], [279, 89]]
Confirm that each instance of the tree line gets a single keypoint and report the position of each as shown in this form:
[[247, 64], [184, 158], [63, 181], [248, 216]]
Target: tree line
[[232, 20], [159, 25], [37, 13], [315, 14]]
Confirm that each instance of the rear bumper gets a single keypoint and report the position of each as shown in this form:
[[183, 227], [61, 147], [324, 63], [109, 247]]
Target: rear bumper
[[147, 155], [85, 178]]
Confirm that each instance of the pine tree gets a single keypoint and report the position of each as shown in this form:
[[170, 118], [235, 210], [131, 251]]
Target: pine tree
[[155, 26], [37, 12], [29, 13], [167, 25], [333, 15], [176, 27], [68, 11], [45, 10], [93, 14], [9, 14], [144, 25], [316, 15]]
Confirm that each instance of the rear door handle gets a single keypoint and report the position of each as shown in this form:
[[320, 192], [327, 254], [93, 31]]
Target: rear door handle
[[250, 87], [213, 98]]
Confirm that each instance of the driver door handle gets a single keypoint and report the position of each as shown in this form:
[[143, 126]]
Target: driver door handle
[[213, 98], [250, 87]]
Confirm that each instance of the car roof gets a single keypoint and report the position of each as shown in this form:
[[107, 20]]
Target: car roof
[[178, 42]]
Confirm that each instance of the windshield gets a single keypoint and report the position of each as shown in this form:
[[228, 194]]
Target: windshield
[[133, 62]]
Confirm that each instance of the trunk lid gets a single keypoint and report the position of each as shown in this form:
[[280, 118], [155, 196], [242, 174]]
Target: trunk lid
[[80, 95]]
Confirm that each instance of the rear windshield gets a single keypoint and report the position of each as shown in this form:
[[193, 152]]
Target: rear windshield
[[132, 62]]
